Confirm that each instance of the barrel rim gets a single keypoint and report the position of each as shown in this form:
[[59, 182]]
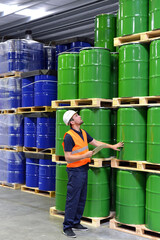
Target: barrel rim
[[90, 48], [107, 14], [67, 53]]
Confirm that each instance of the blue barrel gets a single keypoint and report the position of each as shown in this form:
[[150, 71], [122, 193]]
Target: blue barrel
[[14, 55], [49, 57], [14, 92], [15, 130], [28, 92], [3, 57], [35, 55], [76, 46], [30, 128], [45, 90], [16, 167], [46, 132], [4, 95], [32, 172], [59, 49], [47, 174], [3, 129]]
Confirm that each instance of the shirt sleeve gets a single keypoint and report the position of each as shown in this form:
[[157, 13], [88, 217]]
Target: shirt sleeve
[[89, 138], [68, 143]]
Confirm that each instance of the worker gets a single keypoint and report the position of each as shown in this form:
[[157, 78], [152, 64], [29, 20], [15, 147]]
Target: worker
[[77, 155]]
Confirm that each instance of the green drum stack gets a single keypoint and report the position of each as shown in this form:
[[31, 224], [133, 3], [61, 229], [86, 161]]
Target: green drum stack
[[61, 129], [105, 31], [131, 129], [98, 193], [154, 14], [94, 73], [152, 202], [130, 197], [68, 74], [154, 68], [61, 186], [133, 16], [133, 70], [153, 133], [97, 124], [114, 74]]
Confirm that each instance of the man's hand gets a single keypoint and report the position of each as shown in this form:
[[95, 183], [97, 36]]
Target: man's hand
[[117, 146], [89, 154]]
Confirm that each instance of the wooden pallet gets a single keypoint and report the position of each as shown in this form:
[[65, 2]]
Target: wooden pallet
[[12, 149], [139, 230], [10, 74], [137, 38], [32, 190], [34, 109], [80, 103], [92, 221], [14, 186], [95, 162], [135, 165], [136, 101], [47, 151], [8, 111]]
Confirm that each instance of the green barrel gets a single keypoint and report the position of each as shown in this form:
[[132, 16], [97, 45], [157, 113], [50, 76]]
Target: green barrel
[[131, 129], [114, 74], [68, 74], [98, 193], [61, 186], [97, 124], [153, 202], [154, 69], [133, 16], [154, 14], [113, 175], [113, 129], [61, 129], [130, 197], [133, 70], [153, 135], [94, 73], [105, 31]]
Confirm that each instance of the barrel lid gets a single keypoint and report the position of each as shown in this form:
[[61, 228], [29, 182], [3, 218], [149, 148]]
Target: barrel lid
[[133, 43], [90, 48], [68, 53], [107, 14]]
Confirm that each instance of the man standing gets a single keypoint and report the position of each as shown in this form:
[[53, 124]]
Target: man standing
[[78, 156]]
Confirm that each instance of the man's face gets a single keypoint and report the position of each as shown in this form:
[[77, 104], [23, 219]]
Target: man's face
[[77, 119]]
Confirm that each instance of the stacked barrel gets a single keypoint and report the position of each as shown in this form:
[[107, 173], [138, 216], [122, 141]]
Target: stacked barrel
[[137, 193], [18, 131], [86, 75]]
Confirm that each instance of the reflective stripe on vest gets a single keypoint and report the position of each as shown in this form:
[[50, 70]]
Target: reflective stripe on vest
[[80, 150], [81, 147]]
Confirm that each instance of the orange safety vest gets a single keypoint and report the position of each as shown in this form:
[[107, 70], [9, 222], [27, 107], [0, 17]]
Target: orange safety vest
[[80, 148]]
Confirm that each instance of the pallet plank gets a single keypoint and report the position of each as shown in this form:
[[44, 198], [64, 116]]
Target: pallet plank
[[139, 230], [14, 186], [36, 191], [137, 38], [47, 151], [136, 101], [135, 165], [95, 162], [92, 221], [34, 109], [79, 103]]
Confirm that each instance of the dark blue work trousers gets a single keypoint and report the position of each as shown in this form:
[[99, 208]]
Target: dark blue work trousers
[[76, 196]]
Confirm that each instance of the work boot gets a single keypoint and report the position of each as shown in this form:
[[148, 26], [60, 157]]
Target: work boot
[[69, 233], [80, 227]]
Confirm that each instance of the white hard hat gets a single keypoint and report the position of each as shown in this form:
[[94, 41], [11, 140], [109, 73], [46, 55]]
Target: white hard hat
[[67, 116]]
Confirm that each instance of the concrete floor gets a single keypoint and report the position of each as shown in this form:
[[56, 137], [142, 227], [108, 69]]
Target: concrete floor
[[25, 216]]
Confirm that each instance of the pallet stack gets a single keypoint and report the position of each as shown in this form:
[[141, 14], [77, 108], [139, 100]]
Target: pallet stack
[[147, 102]]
